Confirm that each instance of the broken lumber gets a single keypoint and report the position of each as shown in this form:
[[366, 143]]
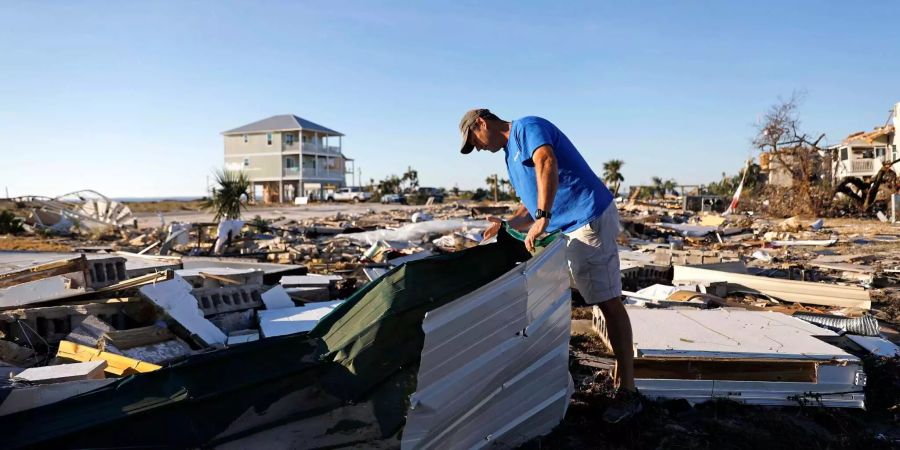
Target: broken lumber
[[135, 337], [789, 290], [116, 364]]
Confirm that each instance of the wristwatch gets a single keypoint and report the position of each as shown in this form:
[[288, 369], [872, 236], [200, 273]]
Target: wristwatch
[[540, 213]]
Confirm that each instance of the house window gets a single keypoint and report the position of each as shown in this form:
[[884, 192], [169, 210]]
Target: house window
[[879, 152], [246, 162], [245, 139], [268, 138], [844, 154], [303, 139], [289, 163], [289, 139]]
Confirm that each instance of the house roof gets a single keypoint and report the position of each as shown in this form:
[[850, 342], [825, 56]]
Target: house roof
[[283, 122], [861, 138]]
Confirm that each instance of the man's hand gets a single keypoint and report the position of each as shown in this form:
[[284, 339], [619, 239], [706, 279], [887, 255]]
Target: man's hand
[[537, 228], [493, 228]]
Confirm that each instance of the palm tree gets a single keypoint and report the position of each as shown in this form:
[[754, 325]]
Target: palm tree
[[389, 185], [231, 195], [658, 187], [411, 177], [612, 174], [670, 185]]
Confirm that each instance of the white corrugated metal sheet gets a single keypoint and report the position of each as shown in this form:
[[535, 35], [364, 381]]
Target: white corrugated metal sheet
[[494, 368]]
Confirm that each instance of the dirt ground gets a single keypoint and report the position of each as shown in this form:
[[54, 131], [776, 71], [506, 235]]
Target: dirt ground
[[33, 243]]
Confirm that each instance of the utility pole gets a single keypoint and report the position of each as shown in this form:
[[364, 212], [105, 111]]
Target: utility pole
[[496, 180]]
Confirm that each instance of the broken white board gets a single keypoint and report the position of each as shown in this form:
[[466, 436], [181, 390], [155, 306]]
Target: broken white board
[[280, 322], [308, 280], [415, 232], [737, 336], [243, 338], [277, 298], [174, 297], [91, 370]]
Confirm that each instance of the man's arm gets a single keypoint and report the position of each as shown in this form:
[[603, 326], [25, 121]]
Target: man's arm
[[520, 220], [547, 174]]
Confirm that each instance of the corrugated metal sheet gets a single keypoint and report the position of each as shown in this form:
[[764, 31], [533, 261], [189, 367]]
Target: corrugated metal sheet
[[494, 368]]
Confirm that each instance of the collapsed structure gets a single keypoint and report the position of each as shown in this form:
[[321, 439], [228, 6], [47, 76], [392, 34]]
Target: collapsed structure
[[396, 328], [476, 357]]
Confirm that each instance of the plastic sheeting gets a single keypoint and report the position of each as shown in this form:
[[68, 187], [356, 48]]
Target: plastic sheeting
[[415, 232]]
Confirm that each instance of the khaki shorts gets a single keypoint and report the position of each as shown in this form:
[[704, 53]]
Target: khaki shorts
[[593, 257]]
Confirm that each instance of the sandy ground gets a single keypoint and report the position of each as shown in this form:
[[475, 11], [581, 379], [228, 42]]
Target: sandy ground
[[152, 219]]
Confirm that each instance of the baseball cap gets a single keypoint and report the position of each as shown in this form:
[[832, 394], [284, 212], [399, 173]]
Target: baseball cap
[[465, 125]]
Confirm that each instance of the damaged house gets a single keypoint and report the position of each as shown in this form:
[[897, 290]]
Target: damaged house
[[287, 157], [862, 154]]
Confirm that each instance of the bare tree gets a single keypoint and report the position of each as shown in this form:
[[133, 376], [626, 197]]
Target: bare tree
[[795, 152]]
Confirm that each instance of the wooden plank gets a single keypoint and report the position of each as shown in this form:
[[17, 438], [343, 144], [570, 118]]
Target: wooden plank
[[790, 290], [45, 270], [116, 364], [135, 337], [725, 369]]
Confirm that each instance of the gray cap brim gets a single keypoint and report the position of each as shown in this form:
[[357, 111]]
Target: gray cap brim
[[466, 147]]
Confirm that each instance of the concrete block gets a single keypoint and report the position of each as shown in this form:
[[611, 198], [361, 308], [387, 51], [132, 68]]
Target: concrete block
[[220, 300]]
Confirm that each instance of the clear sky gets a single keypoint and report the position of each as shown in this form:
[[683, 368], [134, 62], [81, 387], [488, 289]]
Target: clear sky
[[130, 98]]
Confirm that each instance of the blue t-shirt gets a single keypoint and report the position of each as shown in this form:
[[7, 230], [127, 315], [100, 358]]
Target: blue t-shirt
[[581, 196]]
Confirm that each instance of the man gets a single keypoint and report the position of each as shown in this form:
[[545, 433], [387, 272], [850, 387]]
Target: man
[[559, 191]]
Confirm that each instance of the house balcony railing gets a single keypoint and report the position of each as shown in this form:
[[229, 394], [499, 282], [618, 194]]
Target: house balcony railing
[[323, 173], [290, 171], [862, 165], [310, 148], [313, 148]]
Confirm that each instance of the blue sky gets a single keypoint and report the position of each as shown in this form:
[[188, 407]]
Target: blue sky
[[129, 98]]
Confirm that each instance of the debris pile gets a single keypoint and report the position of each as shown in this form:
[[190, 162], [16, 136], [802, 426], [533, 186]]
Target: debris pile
[[762, 312], [92, 330]]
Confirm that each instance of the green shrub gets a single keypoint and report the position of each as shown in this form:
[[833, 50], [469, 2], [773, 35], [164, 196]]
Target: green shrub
[[10, 223]]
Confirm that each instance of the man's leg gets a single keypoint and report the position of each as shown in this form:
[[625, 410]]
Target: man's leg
[[593, 258], [618, 327]]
